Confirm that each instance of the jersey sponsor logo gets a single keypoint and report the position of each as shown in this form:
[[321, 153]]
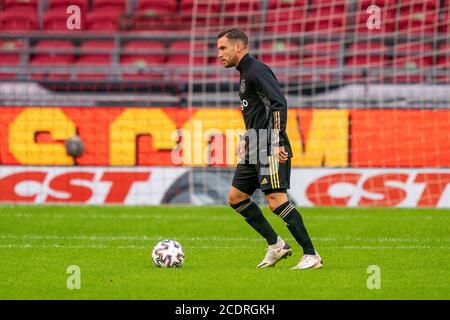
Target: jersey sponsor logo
[[242, 86], [244, 104], [264, 181]]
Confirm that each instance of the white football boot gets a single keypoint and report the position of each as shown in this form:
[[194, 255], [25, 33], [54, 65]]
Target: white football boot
[[309, 261], [275, 253]]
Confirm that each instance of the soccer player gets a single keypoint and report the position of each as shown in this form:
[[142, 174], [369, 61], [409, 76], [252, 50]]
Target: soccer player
[[264, 153]]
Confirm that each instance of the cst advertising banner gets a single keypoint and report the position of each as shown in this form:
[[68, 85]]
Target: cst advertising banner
[[162, 185], [87, 185], [372, 187]]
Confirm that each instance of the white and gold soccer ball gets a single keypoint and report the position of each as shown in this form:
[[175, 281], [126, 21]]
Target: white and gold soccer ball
[[168, 254]]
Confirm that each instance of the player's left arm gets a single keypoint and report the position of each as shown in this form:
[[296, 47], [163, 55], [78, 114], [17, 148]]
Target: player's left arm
[[267, 83]]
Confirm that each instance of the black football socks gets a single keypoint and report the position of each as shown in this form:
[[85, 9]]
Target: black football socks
[[255, 218], [295, 224]]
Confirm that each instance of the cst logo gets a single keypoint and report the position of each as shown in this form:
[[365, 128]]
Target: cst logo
[[244, 104]]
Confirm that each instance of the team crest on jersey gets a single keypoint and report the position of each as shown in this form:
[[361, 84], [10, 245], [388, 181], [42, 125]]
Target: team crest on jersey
[[242, 86]]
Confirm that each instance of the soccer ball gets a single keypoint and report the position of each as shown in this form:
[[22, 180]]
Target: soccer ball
[[74, 146], [168, 254]]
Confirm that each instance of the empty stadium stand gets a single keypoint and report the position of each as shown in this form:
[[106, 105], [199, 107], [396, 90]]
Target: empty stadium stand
[[124, 42]]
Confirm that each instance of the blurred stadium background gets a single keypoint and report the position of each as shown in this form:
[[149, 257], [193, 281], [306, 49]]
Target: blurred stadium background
[[368, 90]]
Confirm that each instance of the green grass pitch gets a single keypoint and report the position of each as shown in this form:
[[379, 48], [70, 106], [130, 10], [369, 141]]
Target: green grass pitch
[[112, 246]]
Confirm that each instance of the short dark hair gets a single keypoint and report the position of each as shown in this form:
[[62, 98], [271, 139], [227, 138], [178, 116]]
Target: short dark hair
[[234, 34]]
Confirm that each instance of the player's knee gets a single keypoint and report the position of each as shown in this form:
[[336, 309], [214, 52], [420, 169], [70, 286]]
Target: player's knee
[[234, 198], [273, 205], [274, 201], [231, 200]]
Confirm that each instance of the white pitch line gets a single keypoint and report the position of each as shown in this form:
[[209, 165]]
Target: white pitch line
[[213, 238], [112, 217], [119, 238], [93, 246], [230, 217]]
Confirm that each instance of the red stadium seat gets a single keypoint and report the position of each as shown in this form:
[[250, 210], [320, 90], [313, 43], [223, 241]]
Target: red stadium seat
[[418, 16], [320, 55], [388, 4], [328, 17], [56, 20], [318, 4], [410, 62], [279, 53], [140, 75], [10, 56], [103, 20], [418, 23], [244, 6], [420, 5], [372, 54], [249, 20], [161, 22], [319, 62], [13, 20], [420, 53], [148, 52], [52, 58], [443, 64], [321, 49], [243, 12], [158, 15], [444, 56], [179, 58], [179, 53], [141, 54], [103, 56], [277, 4], [206, 13], [363, 56], [157, 6], [116, 5], [64, 4], [213, 6], [95, 59], [105, 15], [28, 5], [9, 59], [281, 21], [444, 23], [286, 16]]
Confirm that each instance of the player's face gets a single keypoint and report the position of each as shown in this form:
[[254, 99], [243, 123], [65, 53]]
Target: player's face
[[227, 52]]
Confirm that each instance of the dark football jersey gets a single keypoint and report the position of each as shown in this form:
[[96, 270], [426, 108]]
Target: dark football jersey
[[263, 104]]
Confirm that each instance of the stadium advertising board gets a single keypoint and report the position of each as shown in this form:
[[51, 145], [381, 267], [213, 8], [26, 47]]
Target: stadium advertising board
[[384, 138], [157, 185]]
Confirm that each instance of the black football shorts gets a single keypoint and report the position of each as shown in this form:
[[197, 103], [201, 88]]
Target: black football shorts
[[270, 178]]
